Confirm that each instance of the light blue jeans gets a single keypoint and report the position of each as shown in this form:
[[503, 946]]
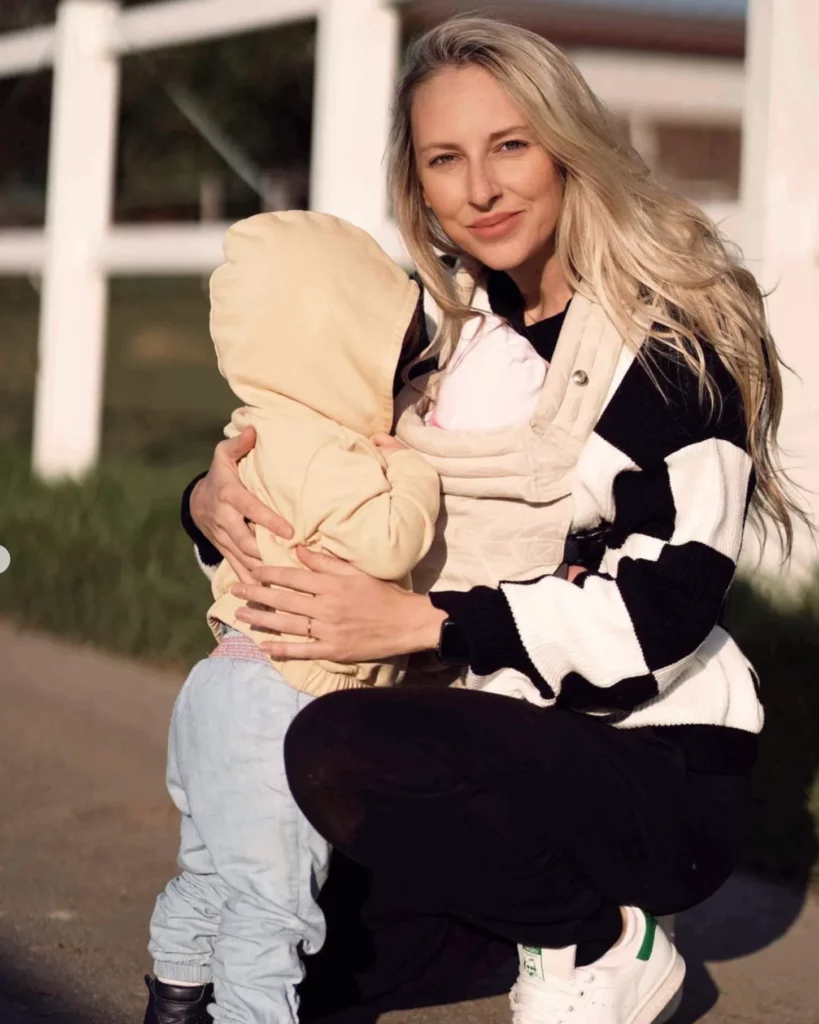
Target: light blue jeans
[[251, 865]]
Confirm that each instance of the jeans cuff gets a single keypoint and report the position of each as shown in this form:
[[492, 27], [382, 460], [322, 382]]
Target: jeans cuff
[[199, 974]]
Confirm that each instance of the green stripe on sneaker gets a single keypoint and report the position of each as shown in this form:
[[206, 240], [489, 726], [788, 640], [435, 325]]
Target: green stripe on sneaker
[[648, 939]]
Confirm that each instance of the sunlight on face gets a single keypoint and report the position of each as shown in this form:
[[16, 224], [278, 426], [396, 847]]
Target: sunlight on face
[[494, 189]]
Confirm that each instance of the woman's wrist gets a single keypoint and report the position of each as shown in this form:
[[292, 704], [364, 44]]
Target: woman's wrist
[[188, 515], [423, 625], [195, 495]]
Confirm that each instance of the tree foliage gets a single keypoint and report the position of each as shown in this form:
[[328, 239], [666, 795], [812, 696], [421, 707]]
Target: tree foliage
[[255, 89]]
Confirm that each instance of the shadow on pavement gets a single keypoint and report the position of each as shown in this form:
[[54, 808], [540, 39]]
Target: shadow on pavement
[[749, 913], [26, 999], [746, 915]]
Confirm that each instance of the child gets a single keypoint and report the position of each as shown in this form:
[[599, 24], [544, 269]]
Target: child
[[308, 319]]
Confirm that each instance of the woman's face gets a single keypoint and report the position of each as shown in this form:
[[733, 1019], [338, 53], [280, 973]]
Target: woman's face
[[495, 191]]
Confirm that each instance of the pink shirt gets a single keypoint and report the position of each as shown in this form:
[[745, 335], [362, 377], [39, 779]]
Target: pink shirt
[[493, 380]]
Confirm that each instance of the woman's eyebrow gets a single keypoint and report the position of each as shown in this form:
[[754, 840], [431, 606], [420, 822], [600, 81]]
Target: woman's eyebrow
[[493, 137]]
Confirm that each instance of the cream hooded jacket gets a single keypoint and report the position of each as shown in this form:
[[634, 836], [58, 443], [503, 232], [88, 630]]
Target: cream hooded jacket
[[308, 316]]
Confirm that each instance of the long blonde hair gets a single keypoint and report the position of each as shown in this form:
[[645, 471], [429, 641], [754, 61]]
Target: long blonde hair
[[655, 262]]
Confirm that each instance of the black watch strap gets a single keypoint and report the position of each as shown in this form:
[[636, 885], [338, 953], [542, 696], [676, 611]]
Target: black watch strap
[[452, 646]]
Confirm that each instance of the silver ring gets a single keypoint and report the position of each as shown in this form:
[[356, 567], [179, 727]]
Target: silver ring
[[309, 628]]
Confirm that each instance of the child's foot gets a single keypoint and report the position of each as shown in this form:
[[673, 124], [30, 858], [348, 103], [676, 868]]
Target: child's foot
[[636, 982], [177, 1004]]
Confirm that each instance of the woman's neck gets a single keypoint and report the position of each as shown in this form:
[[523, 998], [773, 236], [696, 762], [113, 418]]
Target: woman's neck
[[543, 286]]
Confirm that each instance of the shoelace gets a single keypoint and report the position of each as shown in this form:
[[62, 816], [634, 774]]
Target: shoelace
[[548, 1002]]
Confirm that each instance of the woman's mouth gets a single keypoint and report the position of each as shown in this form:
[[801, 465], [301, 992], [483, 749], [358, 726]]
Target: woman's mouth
[[495, 226]]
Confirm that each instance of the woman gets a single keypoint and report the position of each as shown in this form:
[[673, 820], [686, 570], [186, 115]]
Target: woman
[[474, 823]]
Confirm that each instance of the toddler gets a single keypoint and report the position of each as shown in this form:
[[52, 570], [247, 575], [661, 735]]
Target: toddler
[[308, 319]]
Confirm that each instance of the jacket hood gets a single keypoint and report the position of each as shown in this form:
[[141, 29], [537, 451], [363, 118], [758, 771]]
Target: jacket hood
[[309, 307]]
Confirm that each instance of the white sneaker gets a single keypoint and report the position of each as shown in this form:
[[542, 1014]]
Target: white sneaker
[[638, 982]]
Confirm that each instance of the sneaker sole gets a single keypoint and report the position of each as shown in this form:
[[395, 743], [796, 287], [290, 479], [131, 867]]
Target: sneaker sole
[[670, 1011], [664, 1001]]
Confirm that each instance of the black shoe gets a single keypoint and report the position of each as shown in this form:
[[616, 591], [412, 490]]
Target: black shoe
[[177, 1004]]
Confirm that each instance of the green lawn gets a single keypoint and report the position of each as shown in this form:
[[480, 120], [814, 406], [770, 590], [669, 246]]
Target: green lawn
[[104, 562], [165, 402]]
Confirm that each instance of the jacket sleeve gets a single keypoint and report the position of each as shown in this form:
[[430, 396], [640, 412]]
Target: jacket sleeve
[[376, 513], [208, 556], [674, 484]]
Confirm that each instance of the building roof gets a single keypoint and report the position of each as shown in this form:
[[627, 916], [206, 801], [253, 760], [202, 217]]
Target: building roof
[[707, 27], [707, 9]]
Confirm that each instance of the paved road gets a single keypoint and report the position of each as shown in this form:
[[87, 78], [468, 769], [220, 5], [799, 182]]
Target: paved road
[[87, 838]]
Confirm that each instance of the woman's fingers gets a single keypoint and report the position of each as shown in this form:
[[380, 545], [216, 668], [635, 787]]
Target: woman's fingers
[[239, 568], [302, 580], [277, 622], [235, 448], [284, 651], [249, 506], [233, 533], [238, 559], [320, 561], [231, 494], [249, 547], [273, 599]]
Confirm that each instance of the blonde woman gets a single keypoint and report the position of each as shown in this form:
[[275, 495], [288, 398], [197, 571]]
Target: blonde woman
[[466, 823]]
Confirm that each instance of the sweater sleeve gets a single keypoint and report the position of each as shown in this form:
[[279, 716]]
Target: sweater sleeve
[[208, 556], [376, 513], [673, 480]]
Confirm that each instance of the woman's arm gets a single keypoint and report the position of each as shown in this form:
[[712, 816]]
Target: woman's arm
[[217, 510]]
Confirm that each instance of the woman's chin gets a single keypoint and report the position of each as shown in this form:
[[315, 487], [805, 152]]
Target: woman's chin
[[503, 255]]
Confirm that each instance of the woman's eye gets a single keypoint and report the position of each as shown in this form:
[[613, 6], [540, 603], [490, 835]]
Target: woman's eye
[[443, 159], [511, 145]]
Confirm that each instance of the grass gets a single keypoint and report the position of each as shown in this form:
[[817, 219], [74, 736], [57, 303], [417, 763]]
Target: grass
[[104, 562], [783, 644]]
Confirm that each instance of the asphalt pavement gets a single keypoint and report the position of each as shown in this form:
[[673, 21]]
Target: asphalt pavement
[[88, 837]]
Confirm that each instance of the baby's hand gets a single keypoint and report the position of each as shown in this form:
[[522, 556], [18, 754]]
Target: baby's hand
[[387, 444]]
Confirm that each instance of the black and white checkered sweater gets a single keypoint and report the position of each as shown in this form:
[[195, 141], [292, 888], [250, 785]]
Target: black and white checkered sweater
[[638, 639]]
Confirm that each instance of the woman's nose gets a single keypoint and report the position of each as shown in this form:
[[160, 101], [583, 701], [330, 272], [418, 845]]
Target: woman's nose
[[483, 189]]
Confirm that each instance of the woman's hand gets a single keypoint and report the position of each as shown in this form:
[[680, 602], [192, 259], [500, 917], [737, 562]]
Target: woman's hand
[[221, 506], [350, 616]]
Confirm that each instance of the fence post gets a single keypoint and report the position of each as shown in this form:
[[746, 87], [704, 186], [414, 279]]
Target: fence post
[[356, 63], [780, 186], [71, 356]]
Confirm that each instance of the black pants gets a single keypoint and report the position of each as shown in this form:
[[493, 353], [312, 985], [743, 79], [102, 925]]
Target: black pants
[[470, 822]]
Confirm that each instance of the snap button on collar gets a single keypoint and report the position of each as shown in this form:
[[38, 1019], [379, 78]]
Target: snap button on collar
[[580, 377]]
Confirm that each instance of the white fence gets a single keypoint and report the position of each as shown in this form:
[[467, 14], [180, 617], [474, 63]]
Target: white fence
[[79, 248], [357, 50]]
